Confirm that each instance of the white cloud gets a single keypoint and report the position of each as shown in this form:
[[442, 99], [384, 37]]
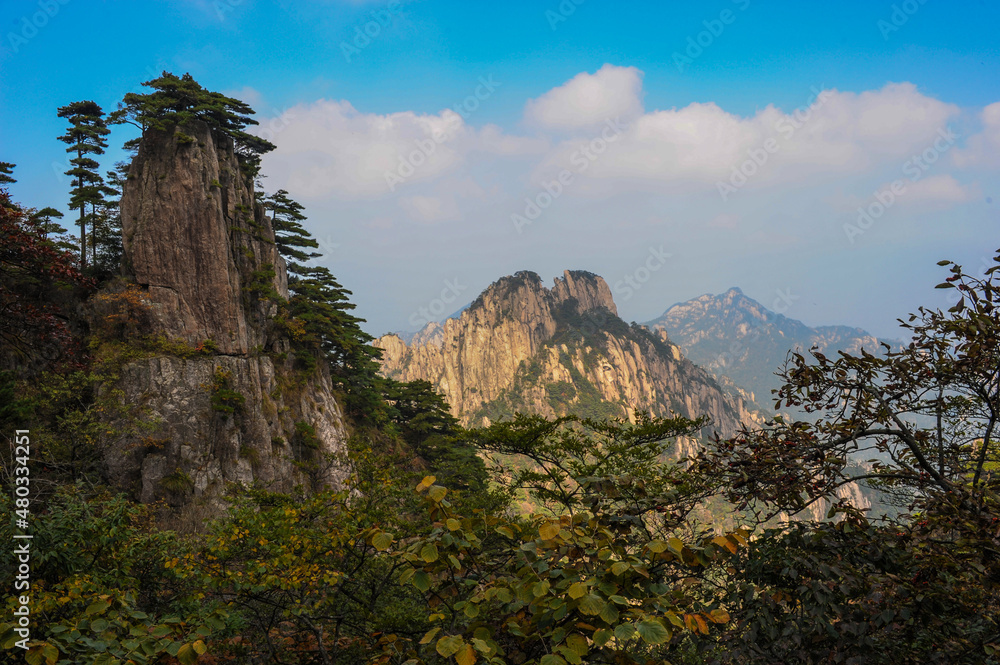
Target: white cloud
[[588, 100], [840, 132], [983, 149], [430, 208], [939, 191], [329, 147]]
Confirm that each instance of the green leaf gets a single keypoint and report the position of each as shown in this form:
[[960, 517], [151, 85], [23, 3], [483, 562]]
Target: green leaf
[[653, 632], [160, 631], [602, 636], [624, 631], [592, 604], [552, 659], [429, 553], [540, 589], [471, 610], [610, 614], [422, 580], [619, 567], [436, 493], [656, 546], [187, 655], [578, 643], [99, 625], [448, 646], [382, 541], [97, 608], [577, 590]]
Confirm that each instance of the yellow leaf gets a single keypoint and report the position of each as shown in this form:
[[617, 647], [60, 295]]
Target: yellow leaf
[[453, 524], [548, 531], [466, 656], [719, 616], [425, 483], [722, 541], [577, 590]]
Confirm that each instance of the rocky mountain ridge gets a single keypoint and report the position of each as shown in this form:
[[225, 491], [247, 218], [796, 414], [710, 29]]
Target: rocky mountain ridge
[[201, 252], [736, 337], [523, 347]]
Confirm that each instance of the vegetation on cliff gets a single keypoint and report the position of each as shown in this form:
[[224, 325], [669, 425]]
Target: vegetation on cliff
[[419, 556]]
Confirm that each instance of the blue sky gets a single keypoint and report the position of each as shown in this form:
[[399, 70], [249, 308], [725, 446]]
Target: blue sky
[[343, 113]]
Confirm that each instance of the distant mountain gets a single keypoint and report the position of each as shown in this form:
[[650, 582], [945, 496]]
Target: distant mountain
[[523, 347], [736, 337]]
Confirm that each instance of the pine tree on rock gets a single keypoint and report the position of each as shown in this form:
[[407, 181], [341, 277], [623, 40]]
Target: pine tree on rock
[[85, 136], [178, 100], [289, 234]]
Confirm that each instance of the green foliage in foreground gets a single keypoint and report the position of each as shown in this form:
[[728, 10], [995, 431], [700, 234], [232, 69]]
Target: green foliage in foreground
[[610, 568]]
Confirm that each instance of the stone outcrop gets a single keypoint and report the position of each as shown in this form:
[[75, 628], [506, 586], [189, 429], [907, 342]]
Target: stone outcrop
[[202, 251], [523, 347]]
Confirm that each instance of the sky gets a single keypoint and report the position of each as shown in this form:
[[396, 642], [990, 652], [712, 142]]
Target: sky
[[820, 156]]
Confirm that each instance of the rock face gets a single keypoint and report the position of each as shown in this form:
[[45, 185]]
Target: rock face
[[203, 253], [736, 337], [523, 347]]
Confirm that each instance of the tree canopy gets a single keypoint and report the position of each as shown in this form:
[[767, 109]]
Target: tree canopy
[[179, 100]]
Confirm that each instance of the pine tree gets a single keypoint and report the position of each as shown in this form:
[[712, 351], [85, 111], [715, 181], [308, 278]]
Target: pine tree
[[6, 168], [51, 230], [289, 234], [85, 136], [106, 236], [178, 100]]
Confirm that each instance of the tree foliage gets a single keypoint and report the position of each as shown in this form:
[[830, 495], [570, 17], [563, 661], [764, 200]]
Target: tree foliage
[[176, 101], [85, 137]]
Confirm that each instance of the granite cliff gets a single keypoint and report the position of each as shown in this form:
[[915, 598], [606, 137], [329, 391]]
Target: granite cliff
[[200, 251], [523, 347]]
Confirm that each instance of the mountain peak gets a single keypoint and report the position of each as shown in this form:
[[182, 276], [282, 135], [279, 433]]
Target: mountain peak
[[733, 335]]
